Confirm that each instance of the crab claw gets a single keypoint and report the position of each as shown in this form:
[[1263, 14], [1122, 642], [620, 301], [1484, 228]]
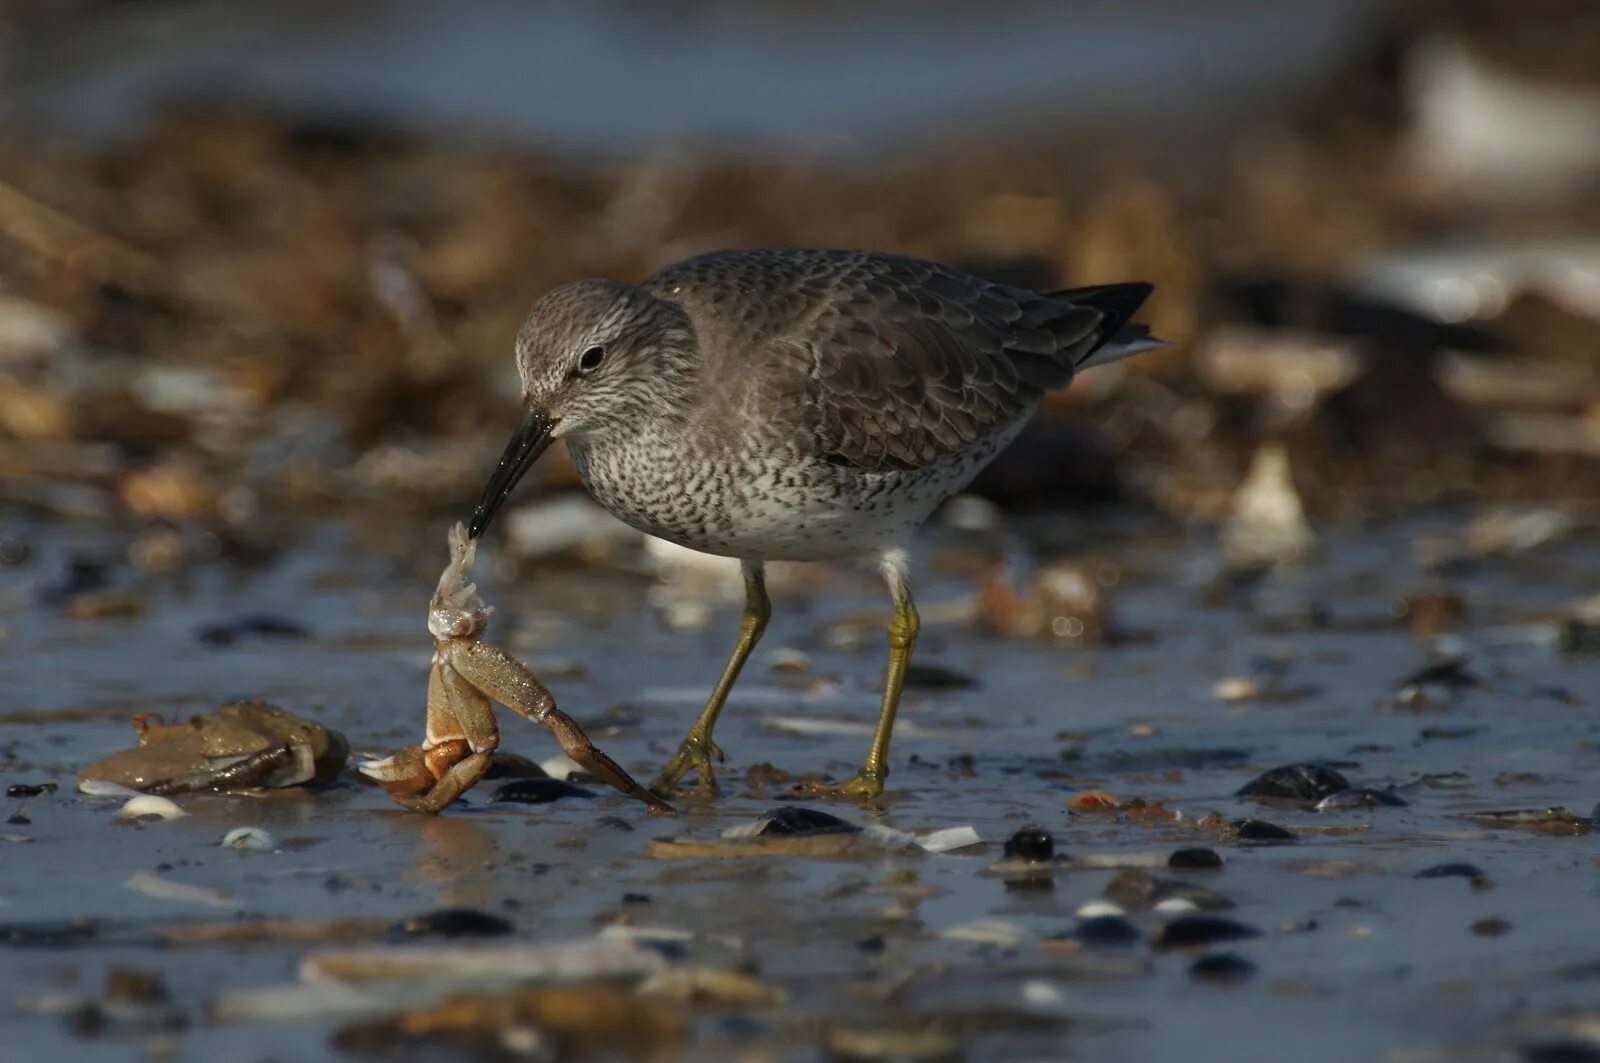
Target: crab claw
[[402, 773]]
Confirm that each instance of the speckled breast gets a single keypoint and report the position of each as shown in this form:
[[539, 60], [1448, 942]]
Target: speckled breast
[[766, 504]]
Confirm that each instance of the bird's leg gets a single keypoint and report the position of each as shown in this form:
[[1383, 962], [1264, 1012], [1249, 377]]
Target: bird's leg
[[903, 628], [697, 747]]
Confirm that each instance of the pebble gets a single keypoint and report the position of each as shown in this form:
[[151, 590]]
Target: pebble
[[1222, 967], [1259, 830], [258, 625], [30, 789], [1197, 859], [253, 838], [1471, 872], [1308, 781], [791, 821], [537, 792], [1030, 844], [1361, 797], [1493, 926], [920, 676], [1561, 1051], [1107, 930], [1190, 931], [454, 922]]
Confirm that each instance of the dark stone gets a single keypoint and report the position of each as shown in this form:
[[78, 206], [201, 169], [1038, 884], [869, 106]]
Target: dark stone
[[1296, 782], [454, 922], [1471, 872], [1492, 926], [873, 945], [1191, 931], [53, 935], [616, 823], [636, 898], [1575, 635], [17, 819], [1259, 830], [1222, 967], [1197, 859], [81, 576], [1106, 930], [795, 819], [1450, 672], [1434, 734], [921, 676], [1361, 797], [1561, 1051], [537, 791], [257, 625], [1031, 844], [24, 789]]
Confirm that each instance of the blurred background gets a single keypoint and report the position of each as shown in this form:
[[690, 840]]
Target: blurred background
[[265, 262]]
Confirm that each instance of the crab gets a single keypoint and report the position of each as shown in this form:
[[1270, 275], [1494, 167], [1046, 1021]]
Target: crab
[[467, 675], [243, 745]]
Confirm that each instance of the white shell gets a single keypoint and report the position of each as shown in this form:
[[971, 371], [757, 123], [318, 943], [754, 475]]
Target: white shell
[[150, 805], [252, 838]]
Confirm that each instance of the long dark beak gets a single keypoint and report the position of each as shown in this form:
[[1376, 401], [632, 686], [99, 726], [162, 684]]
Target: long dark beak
[[530, 440]]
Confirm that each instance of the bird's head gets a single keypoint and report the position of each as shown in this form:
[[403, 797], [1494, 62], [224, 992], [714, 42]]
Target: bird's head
[[595, 357]]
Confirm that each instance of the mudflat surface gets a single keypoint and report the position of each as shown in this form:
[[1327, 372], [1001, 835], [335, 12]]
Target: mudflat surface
[[1355, 957]]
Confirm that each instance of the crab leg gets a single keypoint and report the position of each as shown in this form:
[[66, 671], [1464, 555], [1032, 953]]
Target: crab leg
[[462, 776], [508, 681]]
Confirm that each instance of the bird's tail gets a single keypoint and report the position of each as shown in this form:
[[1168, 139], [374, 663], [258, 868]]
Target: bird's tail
[[1118, 302]]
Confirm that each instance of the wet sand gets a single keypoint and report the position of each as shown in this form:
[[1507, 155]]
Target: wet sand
[[1356, 958]]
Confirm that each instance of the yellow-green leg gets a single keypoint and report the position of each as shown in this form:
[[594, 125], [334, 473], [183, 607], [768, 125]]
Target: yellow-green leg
[[903, 628], [697, 748]]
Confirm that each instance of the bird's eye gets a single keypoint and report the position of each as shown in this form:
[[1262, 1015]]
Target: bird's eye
[[590, 361]]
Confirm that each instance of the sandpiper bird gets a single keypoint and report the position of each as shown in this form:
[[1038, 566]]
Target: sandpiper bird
[[795, 405]]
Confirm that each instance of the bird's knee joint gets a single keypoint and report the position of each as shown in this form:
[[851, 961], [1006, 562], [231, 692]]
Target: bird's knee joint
[[903, 629]]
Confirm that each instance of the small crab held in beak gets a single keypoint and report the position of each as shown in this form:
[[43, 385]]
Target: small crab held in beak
[[466, 677]]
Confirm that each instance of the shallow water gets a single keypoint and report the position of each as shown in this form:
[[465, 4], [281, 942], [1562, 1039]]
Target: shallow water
[[1356, 958]]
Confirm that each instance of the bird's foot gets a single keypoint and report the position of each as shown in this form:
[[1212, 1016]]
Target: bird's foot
[[694, 752], [864, 785]]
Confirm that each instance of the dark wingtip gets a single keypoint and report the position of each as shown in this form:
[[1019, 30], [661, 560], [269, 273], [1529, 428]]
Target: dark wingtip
[[1118, 302]]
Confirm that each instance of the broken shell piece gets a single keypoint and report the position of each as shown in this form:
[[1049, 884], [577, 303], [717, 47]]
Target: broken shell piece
[[150, 805], [949, 839], [1267, 525], [572, 960], [565, 768], [252, 838], [153, 885], [987, 932]]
